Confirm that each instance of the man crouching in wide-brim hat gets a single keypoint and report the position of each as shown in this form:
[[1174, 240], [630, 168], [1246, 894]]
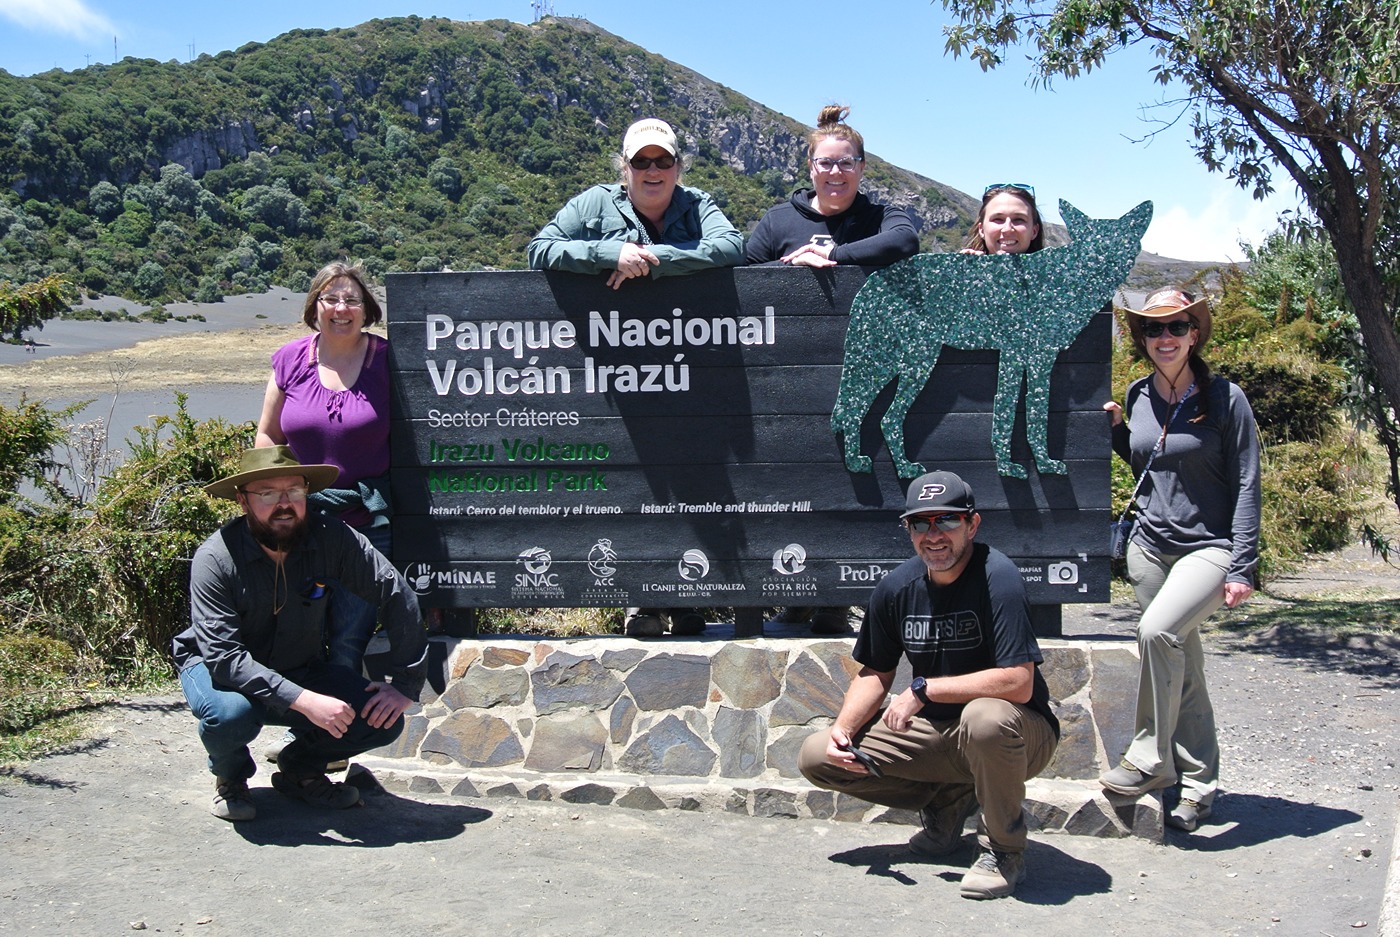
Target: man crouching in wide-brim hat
[[255, 651]]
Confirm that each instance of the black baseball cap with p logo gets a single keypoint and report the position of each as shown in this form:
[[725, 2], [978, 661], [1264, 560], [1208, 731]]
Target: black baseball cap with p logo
[[938, 491]]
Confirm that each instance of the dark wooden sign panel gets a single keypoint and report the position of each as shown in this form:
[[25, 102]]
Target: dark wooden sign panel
[[558, 443]]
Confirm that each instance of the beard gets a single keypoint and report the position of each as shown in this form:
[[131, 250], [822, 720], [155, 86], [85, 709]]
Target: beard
[[282, 540]]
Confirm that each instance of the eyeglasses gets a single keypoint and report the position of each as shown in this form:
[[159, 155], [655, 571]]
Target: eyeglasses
[[1025, 187], [349, 302], [1178, 328], [640, 163], [944, 522], [275, 495], [844, 164]]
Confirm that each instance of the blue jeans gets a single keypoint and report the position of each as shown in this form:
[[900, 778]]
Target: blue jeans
[[228, 721], [352, 619]]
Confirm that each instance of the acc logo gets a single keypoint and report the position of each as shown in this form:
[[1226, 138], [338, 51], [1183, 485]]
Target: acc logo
[[694, 565], [790, 560], [602, 559], [420, 577], [536, 559]]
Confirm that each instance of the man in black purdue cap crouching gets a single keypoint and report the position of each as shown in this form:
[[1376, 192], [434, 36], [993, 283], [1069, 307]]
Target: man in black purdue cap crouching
[[975, 724]]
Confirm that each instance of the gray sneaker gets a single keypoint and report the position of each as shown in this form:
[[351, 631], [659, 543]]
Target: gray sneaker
[[943, 820], [1187, 815], [1128, 780], [994, 875], [317, 790], [232, 801]]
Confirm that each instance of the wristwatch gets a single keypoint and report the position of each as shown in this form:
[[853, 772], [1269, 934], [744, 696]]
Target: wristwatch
[[920, 688]]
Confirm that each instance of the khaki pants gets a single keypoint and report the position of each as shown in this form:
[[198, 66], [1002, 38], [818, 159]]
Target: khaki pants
[[995, 748], [1175, 734]]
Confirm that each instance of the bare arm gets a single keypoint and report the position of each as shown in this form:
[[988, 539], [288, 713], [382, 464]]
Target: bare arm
[[1013, 684], [270, 421], [863, 699]]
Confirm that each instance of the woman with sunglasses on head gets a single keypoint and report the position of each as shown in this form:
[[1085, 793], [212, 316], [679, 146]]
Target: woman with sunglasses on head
[[328, 399], [1190, 438], [647, 226], [833, 222], [1007, 223]]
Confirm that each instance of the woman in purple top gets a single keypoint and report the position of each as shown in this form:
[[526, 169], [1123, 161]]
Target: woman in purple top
[[328, 398]]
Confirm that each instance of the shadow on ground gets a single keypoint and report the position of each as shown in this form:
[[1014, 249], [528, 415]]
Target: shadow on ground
[[1253, 819], [381, 820], [1286, 634], [1053, 877]]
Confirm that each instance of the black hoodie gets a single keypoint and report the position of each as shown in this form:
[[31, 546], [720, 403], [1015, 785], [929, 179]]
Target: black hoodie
[[867, 234]]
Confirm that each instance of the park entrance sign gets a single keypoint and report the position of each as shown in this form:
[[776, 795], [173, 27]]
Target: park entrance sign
[[670, 443]]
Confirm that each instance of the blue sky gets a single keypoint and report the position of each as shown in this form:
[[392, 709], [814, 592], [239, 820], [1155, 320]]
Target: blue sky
[[944, 118]]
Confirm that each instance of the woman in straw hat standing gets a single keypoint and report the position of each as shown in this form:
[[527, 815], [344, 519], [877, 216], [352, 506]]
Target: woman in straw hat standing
[[1190, 438]]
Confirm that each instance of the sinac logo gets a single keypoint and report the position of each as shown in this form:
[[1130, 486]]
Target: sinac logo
[[419, 577], [536, 559], [694, 565], [790, 560], [602, 559]]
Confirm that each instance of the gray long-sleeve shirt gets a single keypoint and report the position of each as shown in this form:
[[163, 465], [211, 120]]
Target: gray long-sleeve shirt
[[1203, 488], [235, 586]]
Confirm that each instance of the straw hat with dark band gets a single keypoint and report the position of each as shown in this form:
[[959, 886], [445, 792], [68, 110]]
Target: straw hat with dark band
[[1165, 303], [271, 462]]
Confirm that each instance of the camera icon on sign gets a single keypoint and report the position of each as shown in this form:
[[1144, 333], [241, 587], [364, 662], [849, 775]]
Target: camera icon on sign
[[1062, 574]]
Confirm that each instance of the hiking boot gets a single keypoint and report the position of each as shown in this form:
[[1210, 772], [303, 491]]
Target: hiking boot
[[643, 623], [232, 801], [317, 790], [272, 751], [1187, 815], [943, 822], [995, 874], [832, 620], [686, 622], [1126, 779]]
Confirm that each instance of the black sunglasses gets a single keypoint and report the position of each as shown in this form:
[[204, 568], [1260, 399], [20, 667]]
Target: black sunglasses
[[944, 522], [664, 161], [1178, 328]]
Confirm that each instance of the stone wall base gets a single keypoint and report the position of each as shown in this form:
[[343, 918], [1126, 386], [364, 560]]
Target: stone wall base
[[1052, 805]]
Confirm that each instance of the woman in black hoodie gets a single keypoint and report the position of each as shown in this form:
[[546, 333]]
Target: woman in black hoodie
[[832, 222]]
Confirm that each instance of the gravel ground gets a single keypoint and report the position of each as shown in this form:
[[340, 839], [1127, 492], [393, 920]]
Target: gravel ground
[[114, 835]]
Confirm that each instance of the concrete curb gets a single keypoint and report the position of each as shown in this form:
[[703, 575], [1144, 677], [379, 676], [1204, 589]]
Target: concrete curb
[[1390, 899]]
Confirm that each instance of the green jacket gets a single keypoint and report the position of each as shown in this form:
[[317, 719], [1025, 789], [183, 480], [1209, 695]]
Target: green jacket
[[587, 234]]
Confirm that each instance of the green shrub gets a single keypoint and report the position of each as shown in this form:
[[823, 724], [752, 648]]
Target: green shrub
[[37, 678]]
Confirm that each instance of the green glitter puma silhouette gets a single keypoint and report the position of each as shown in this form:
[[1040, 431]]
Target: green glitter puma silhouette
[[1029, 306]]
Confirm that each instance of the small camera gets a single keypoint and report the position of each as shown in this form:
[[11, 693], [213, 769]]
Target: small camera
[[1062, 574]]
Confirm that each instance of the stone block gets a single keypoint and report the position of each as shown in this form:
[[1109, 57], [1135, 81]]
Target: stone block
[[820, 804], [737, 802], [463, 656], [420, 784], [624, 659], [539, 792], [851, 809], [475, 740], [741, 736], [564, 681], [835, 658], [465, 788], [589, 794], [771, 802], [1045, 816], [808, 693], [670, 681], [669, 747], [641, 798], [484, 688], [1078, 753], [1066, 669], [1114, 699], [897, 816], [620, 720], [415, 729], [567, 742], [506, 789], [782, 754], [749, 677], [496, 656]]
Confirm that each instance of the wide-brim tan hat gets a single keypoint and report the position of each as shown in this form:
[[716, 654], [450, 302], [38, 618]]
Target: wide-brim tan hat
[[271, 462], [1170, 302]]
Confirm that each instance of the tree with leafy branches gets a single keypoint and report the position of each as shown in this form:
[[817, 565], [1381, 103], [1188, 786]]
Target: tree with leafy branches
[[1311, 87], [30, 305]]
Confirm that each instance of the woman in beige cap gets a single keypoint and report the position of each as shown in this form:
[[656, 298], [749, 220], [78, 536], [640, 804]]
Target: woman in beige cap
[[1190, 438]]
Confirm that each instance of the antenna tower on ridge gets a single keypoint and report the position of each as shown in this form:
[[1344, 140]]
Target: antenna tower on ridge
[[542, 9]]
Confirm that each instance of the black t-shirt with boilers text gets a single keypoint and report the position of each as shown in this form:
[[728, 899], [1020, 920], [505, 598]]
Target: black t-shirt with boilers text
[[979, 622]]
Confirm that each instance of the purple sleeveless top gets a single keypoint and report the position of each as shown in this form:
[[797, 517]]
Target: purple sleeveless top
[[345, 428]]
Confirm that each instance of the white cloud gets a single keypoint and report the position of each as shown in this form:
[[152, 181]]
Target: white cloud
[[69, 17], [1212, 231]]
